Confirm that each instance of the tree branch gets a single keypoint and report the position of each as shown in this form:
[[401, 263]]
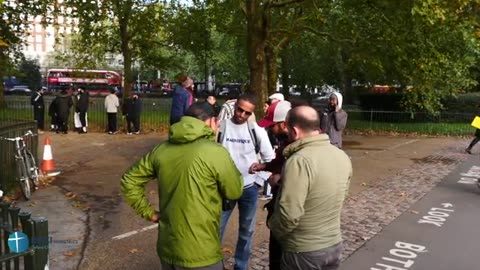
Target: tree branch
[[278, 3]]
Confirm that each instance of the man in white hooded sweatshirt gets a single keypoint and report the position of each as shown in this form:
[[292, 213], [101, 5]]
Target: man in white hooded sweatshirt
[[334, 119]]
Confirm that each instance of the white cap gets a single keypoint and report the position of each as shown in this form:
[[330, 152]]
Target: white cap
[[276, 113], [278, 96]]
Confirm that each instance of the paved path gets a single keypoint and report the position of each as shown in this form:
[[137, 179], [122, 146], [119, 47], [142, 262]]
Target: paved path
[[368, 212], [438, 232]]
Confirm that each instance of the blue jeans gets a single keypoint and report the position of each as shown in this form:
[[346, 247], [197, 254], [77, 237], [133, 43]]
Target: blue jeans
[[247, 208]]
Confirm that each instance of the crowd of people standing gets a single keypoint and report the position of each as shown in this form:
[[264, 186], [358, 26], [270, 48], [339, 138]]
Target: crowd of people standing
[[218, 158]]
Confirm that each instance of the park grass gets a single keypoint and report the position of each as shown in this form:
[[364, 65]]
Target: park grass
[[434, 129]]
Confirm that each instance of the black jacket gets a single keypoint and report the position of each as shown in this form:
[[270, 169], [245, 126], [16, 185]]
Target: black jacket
[[37, 101], [132, 108], [63, 103], [82, 102]]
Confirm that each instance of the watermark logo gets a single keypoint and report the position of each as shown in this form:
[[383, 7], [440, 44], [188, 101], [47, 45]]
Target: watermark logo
[[18, 242]]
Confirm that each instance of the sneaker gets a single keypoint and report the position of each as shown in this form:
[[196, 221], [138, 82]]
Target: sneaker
[[129, 133], [137, 132], [111, 133], [265, 197]]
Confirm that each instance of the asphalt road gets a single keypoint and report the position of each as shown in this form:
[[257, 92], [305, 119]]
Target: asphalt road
[[440, 232]]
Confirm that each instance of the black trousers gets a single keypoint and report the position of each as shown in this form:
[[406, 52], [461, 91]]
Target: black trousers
[[62, 122], [135, 121], [112, 122], [83, 118], [39, 116]]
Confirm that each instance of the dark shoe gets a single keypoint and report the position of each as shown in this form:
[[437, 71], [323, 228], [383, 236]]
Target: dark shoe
[[468, 151]]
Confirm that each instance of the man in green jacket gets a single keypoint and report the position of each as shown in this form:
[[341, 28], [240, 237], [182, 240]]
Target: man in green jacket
[[194, 175], [315, 182]]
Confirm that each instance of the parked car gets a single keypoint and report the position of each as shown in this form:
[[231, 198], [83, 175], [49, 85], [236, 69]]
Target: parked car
[[19, 90], [225, 89]]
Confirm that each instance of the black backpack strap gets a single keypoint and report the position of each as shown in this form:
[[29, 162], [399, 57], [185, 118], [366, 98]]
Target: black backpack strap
[[253, 135]]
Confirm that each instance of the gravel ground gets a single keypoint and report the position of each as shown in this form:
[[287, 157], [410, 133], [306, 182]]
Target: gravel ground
[[368, 212]]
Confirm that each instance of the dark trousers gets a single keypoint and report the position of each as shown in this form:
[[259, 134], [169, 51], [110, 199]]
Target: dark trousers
[[135, 121], [62, 122], [275, 253], [39, 116], [112, 122], [324, 259], [474, 141], [83, 118]]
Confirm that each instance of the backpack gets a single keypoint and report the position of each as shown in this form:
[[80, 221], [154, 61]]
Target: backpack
[[251, 130]]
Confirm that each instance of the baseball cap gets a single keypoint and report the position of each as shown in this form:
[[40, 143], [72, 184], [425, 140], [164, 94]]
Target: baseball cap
[[277, 112], [278, 96]]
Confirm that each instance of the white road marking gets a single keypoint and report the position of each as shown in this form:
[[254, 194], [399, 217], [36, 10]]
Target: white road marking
[[128, 234]]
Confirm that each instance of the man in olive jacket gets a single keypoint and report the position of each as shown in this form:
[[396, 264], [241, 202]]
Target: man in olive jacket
[[194, 175], [315, 182]]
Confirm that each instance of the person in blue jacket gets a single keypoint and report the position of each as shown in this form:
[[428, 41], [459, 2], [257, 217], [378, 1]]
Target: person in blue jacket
[[181, 99]]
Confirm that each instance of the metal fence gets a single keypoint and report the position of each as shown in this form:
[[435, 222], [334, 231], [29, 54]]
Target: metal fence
[[156, 112], [24, 247], [154, 117], [8, 169]]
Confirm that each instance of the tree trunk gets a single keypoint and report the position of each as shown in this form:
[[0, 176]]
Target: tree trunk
[[346, 77], [285, 73], [3, 64], [271, 56], [256, 36], [127, 57]]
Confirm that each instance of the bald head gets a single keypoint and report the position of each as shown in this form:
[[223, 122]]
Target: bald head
[[304, 118]]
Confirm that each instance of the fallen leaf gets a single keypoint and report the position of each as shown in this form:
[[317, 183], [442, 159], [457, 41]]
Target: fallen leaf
[[134, 250], [403, 194], [364, 184], [69, 253], [261, 223], [152, 192], [413, 212]]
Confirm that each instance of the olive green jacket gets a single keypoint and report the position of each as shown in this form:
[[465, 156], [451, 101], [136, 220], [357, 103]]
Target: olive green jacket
[[194, 173], [315, 182]]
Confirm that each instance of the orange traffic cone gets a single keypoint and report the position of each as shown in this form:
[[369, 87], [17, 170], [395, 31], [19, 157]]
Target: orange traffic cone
[[47, 164]]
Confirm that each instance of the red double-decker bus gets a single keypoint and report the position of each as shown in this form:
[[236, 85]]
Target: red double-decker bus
[[94, 81]]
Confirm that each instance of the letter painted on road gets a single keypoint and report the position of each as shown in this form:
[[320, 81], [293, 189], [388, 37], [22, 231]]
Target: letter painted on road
[[470, 177], [437, 216], [402, 253]]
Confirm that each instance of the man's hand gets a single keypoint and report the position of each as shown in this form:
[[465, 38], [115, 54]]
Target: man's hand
[[155, 217], [274, 180], [256, 167]]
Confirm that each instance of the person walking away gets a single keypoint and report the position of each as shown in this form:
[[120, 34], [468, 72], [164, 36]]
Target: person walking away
[[194, 175], [275, 122], [38, 109], [63, 103], [111, 106], [81, 108], [132, 109], [244, 140], [473, 142], [181, 98], [306, 219], [212, 100], [334, 120]]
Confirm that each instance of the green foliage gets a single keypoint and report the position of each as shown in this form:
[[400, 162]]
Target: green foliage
[[30, 73], [464, 103]]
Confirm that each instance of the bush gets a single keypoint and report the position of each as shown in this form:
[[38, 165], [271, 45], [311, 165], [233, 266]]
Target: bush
[[380, 102], [464, 103]]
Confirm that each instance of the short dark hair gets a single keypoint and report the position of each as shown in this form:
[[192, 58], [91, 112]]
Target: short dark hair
[[250, 97], [297, 119], [112, 91], [200, 110]]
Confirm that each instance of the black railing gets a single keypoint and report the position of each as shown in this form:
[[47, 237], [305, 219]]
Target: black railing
[[8, 171], [24, 247]]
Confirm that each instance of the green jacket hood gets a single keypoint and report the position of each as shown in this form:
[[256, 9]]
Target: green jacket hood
[[302, 143], [189, 129]]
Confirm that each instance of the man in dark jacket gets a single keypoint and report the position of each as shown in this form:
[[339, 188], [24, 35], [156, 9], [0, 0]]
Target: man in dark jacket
[[274, 121], [181, 99], [81, 107], [63, 103], [132, 109], [38, 109]]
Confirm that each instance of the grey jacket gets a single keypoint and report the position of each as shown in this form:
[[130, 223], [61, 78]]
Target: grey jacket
[[333, 123]]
